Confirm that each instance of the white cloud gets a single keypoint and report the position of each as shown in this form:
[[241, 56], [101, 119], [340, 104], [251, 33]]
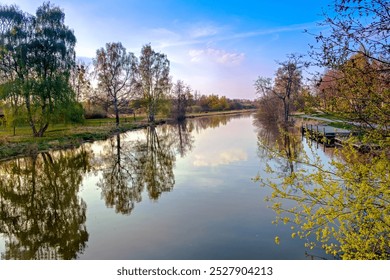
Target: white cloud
[[196, 55], [221, 158], [216, 55]]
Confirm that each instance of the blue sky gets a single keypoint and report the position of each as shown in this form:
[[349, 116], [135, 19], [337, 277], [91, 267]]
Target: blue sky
[[217, 47]]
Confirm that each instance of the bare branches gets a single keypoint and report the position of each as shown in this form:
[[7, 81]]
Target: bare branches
[[287, 82], [116, 70], [153, 80], [353, 25]]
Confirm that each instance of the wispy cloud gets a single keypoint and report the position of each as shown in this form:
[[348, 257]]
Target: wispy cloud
[[269, 31], [204, 30], [209, 33]]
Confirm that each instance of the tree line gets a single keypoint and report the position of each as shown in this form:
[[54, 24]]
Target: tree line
[[42, 83], [355, 60]]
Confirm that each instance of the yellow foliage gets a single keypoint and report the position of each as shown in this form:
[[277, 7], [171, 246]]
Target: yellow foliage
[[345, 205]]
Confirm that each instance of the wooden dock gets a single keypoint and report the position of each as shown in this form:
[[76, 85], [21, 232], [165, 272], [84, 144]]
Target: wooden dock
[[325, 134]]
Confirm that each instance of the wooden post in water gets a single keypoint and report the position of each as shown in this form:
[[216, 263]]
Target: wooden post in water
[[325, 139], [311, 131]]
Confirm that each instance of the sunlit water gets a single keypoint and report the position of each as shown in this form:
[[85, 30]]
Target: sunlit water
[[176, 192]]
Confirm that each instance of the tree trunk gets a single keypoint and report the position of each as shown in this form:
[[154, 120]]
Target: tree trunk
[[29, 115], [116, 112], [286, 111], [151, 117], [41, 131]]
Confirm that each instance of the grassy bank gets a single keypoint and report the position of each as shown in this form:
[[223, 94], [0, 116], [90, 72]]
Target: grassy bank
[[61, 136], [327, 118]]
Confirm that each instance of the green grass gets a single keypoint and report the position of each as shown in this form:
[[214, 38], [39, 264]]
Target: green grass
[[329, 116], [341, 125], [61, 135]]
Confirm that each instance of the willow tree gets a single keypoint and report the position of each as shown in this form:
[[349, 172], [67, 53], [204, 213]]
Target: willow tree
[[39, 52], [13, 52], [116, 70], [153, 80]]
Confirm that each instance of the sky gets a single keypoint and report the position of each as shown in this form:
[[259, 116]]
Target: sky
[[216, 47]]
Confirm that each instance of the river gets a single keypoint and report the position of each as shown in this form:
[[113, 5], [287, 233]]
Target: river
[[174, 192]]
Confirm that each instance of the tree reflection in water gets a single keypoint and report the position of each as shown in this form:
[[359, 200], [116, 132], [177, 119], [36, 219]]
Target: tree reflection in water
[[214, 121], [284, 147], [130, 166], [41, 215], [118, 177], [183, 138], [156, 160]]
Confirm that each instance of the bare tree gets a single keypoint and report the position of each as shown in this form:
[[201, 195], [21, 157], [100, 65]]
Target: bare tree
[[153, 81], [115, 69], [181, 95], [81, 80], [287, 82]]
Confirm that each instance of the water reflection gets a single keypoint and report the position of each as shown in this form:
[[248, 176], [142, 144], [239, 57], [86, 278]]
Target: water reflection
[[41, 214], [119, 172], [132, 165], [283, 147], [184, 140], [214, 212], [155, 161], [203, 123]]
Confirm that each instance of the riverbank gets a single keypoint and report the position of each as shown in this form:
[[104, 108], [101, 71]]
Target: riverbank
[[219, 113], [63, 136]]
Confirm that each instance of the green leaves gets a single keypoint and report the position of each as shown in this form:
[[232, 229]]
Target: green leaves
[[38, 54]]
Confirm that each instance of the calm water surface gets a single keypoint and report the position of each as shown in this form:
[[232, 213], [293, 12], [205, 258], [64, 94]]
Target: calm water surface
[[173, 192]]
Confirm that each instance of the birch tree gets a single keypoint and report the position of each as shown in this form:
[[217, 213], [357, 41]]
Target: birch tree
[[153, 80], [115, 69]]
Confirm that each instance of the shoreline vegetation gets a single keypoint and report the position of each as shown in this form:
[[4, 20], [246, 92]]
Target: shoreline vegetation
[[66, 136]]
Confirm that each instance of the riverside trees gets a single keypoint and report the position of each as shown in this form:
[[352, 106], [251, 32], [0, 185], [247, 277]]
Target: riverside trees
[[37, 55], [116, 71], [123, 78], [359, 92], [286, 85], [343, 205], [153, 83], [181, 95], [356, 54]]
